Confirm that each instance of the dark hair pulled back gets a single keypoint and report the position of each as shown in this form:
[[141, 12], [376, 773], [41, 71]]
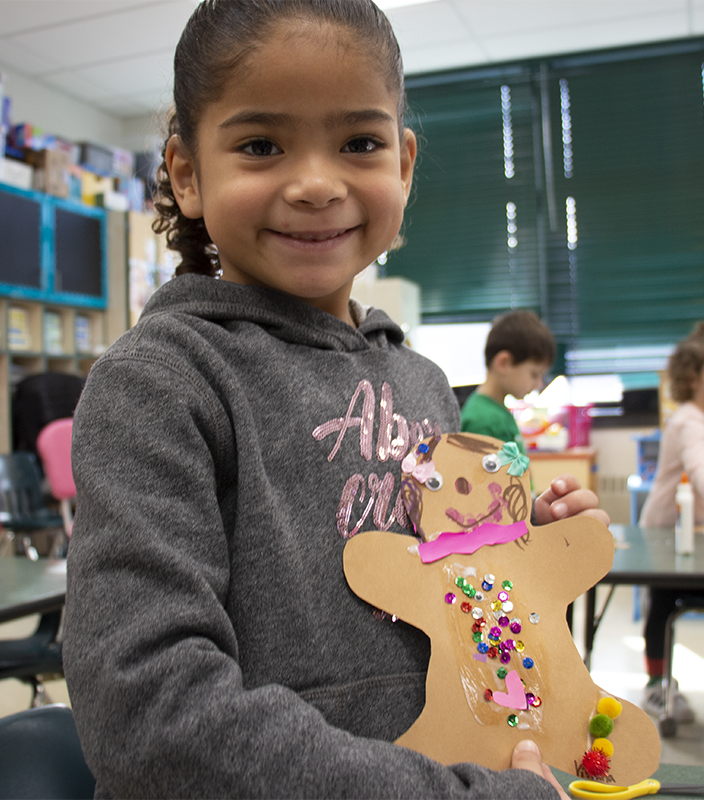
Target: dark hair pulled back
[[218, 38]]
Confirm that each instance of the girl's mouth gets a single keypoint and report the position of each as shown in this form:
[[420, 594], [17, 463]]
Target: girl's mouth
[[320, 236], [314, 241]]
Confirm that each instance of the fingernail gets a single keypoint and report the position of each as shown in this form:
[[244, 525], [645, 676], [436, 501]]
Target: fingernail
[[560, 486], [527, 744], [559, 510]]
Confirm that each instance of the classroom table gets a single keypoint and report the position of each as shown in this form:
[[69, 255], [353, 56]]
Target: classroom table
[[644, 557], [682, 774], [31, 587]]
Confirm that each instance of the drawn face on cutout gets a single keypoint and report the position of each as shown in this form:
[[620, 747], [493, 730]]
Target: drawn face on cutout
[[445, 491]]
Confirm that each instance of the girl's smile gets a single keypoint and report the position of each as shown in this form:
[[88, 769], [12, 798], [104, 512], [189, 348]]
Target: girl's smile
[[315, 241], [301, 172]]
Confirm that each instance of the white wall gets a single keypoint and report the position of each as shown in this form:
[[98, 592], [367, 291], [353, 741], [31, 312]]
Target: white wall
[[54, 112]]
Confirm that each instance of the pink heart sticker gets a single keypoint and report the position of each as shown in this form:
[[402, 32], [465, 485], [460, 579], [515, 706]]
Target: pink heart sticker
[[515, 697]]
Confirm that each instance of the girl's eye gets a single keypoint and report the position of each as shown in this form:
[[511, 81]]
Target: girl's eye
[[261, 147], [491, 463], [362, 144], [434, 482]]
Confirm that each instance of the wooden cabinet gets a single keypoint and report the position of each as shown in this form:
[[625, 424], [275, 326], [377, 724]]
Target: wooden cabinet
[[579, 461], [60, 332]]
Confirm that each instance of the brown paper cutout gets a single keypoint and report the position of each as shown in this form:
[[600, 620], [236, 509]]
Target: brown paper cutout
[[549, 567]]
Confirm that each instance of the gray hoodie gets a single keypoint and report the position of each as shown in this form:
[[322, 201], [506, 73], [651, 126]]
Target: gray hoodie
[[225, 449]]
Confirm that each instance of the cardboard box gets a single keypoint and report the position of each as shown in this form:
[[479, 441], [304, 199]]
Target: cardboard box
[[114, 201], [92, 185], [50, 171], [96, 158], [16, 173]]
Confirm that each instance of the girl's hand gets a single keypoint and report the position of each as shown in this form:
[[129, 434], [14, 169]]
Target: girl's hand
[[566, 498], [526, 755]]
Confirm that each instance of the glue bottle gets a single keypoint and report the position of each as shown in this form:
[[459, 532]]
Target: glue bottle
[[684, 527]]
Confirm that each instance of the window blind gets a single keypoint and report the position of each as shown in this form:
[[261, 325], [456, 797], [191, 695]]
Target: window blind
[[471, 223], [573, 186]]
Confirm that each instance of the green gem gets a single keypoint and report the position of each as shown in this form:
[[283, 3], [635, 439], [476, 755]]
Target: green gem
[[508, 585], [501, 672], [469, 590], [460, 581], [478, 636], [512, 720]]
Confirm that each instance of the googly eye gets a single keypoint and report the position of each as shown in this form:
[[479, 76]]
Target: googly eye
[[434, 482], [491, 463]]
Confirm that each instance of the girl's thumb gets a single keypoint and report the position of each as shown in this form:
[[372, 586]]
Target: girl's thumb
[[526, 755]]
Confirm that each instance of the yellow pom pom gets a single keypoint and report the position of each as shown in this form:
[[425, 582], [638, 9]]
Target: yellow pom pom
[[605, 746], [609, 706]]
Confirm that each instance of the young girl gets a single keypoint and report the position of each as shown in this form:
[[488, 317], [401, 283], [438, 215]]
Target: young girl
[[230, 443], [681, 450]]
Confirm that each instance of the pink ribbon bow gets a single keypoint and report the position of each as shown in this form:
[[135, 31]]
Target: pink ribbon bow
[[421, 472]]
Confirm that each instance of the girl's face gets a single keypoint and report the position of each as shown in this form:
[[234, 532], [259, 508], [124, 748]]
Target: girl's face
[[301, 175]]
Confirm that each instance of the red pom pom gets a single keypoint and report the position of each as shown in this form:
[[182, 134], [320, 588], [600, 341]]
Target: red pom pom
[[595, 764]]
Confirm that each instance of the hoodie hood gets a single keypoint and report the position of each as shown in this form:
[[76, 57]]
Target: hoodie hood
[[281, 316]]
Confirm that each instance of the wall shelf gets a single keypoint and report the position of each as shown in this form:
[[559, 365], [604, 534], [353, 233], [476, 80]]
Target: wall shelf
[[43, 329]]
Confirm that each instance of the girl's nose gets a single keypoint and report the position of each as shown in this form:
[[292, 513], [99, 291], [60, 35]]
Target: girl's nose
[[314, 182]]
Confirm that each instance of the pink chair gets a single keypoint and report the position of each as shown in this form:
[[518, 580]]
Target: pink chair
[[54, 448]]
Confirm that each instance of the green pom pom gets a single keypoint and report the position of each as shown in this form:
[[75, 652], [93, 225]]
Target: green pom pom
[[601, 726]]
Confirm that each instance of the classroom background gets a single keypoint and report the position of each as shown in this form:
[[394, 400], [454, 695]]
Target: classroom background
[[561, 170]]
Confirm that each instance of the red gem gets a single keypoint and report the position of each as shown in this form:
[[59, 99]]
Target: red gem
[[488, 694], [466, 607], [493, 652]]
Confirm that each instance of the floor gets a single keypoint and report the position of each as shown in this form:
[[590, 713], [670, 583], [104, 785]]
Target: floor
[[617, 667]]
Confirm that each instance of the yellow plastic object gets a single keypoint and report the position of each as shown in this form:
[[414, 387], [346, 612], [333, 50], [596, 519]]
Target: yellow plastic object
[[592, 790]]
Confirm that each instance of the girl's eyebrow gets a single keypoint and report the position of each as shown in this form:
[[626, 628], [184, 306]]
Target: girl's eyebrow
[[271, 119]]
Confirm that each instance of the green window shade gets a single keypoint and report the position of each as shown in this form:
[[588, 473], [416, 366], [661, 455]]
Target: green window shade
[[457, 222], [607, 151], [638, 187]]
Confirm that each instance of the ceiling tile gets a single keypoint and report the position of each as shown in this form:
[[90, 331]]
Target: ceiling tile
[[491, 20], [110, 37], [426, 25], [137, 74], [585, 37], [443, 56], [22, 15], [24, 61]]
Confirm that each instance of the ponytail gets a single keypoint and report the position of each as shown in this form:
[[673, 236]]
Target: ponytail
[[188, 237]]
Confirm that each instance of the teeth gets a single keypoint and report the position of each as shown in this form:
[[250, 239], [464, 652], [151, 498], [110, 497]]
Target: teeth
[[314, 238]]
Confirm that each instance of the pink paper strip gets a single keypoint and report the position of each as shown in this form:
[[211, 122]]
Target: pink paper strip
[[469, 542]]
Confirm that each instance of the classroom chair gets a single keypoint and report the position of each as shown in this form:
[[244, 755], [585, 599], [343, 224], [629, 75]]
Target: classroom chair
[[54, 448], [37, 401], [685, 604], [23, 508], [41, 757], [32, 658]]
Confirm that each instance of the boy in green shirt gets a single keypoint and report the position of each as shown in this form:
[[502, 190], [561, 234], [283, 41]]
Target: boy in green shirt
[[519, 350]]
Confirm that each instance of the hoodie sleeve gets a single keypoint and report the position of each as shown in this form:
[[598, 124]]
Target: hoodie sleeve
[[151, 656]]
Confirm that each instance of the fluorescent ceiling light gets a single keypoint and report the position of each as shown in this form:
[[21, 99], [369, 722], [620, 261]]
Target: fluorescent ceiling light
[[385, 5]]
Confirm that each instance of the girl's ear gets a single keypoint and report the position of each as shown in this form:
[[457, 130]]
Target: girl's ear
[[180, 165], [409, 148]]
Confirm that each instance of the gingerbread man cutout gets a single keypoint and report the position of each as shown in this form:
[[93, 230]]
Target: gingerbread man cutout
[[491, 592]]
